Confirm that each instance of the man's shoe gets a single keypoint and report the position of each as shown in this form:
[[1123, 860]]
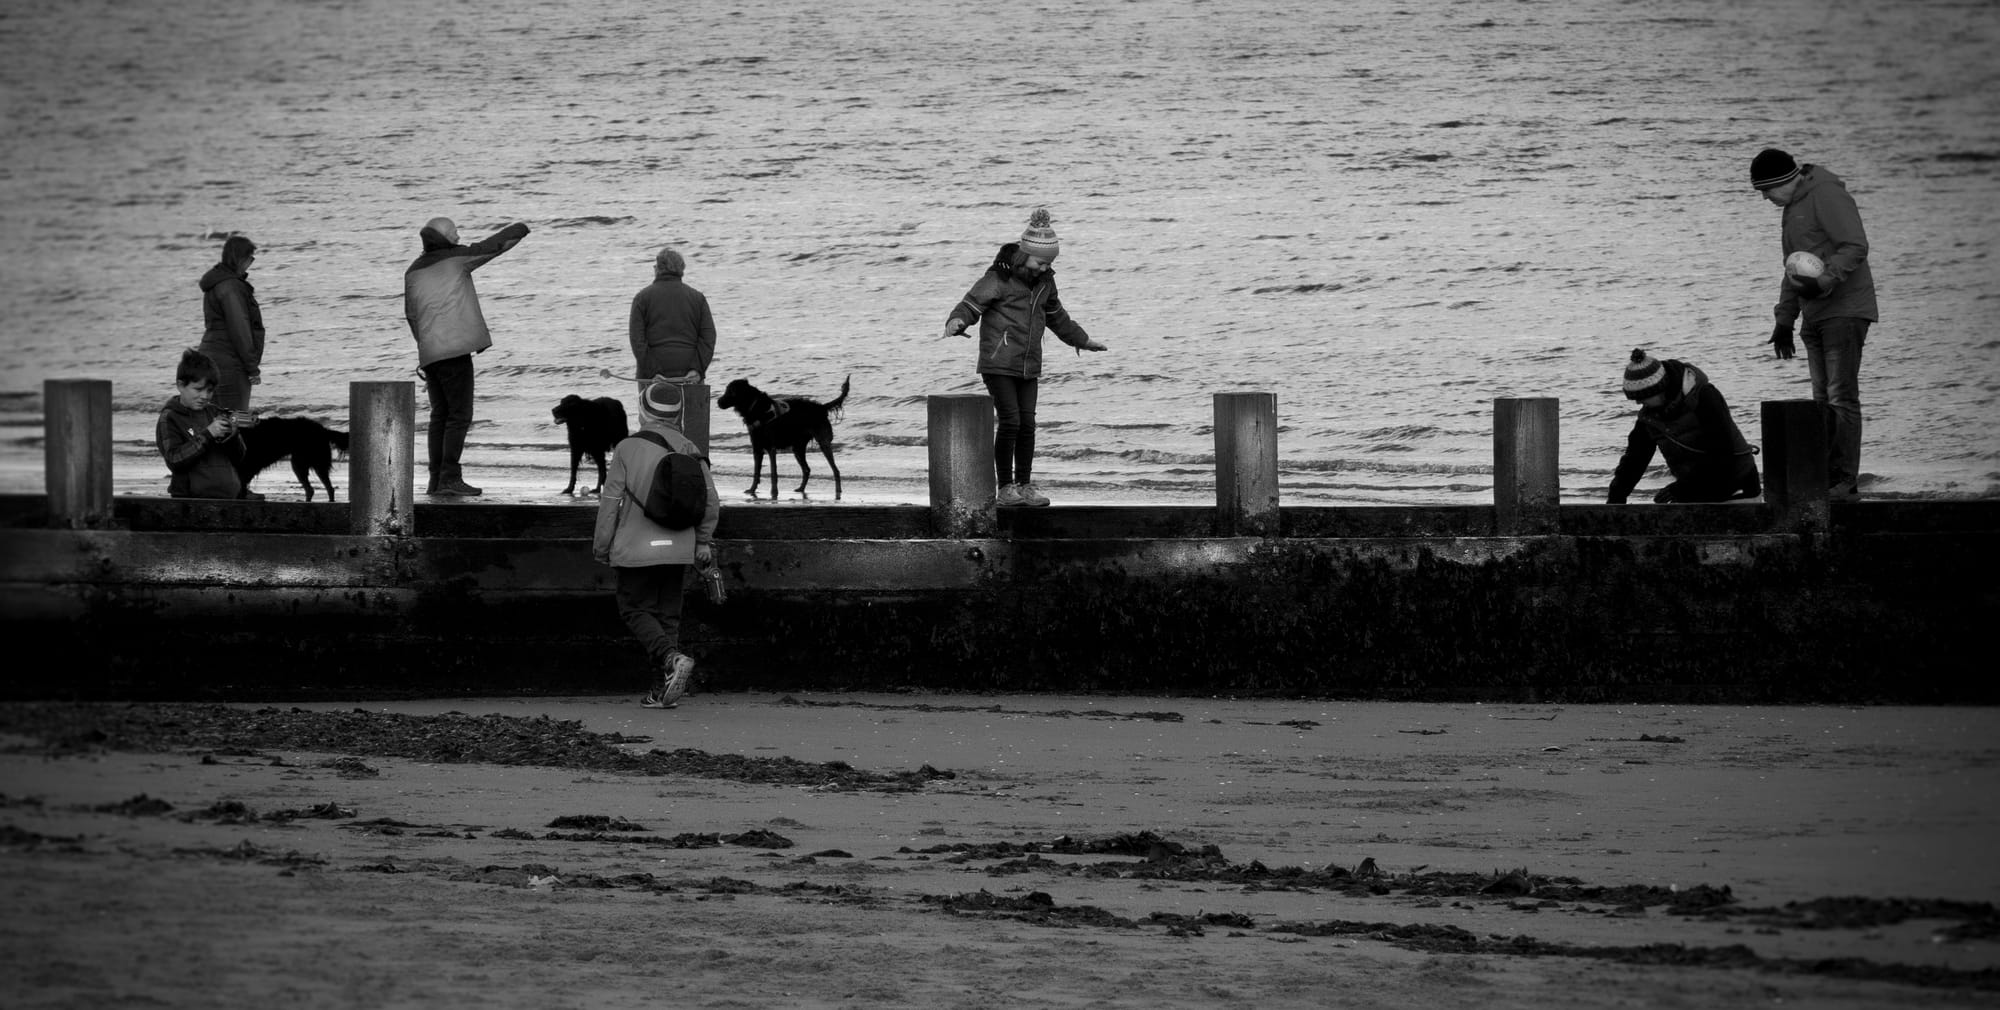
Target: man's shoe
[[1009, 496], [456, 487], [1843, 491], [249, 495], [1029, 496], [677, 671]]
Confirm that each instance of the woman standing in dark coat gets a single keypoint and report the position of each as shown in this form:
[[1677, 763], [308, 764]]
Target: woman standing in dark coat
[[233, 335]]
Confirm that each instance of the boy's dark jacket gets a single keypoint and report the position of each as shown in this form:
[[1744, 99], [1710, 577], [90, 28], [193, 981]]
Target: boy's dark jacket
[[1012, 314], [201, 466], [1695, 433]]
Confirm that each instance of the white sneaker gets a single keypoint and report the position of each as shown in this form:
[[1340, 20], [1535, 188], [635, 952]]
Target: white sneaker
[[1029, 496], [1009, 496], [679, 670]]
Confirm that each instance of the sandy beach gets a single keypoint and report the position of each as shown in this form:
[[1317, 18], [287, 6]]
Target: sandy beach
[[756, 850]]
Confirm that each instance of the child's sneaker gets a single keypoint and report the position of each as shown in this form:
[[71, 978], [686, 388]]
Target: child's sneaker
[[1008, 496], [656, 698], [1029, 496], [679, 669]]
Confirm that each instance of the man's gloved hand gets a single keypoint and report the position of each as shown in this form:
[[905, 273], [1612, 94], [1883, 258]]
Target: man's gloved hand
[[954, 329], [1781, 341]]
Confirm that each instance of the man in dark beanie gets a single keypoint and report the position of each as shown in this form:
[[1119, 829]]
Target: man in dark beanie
[[1829, 290], [443, 311], [1688, 421]]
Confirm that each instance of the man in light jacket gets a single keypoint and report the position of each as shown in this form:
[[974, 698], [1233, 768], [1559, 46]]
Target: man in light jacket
[[443, 310]]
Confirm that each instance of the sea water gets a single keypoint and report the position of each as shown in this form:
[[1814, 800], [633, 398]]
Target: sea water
[[1387, 214]]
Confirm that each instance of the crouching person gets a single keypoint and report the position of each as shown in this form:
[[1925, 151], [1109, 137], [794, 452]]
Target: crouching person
[[656, 517], [1684, 416], [196, 436]]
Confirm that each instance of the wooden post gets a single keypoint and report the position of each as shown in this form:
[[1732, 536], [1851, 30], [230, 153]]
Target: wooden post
[[694, 415], [1246, 464], [382, 463], [961, 464], [76, 436], [1527, 488], [1795, 461]]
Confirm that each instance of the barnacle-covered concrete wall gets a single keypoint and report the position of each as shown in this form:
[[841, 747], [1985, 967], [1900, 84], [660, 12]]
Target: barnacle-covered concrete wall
[[1890, 602]]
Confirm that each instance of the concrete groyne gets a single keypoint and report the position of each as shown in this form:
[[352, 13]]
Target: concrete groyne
[[1791, 599]]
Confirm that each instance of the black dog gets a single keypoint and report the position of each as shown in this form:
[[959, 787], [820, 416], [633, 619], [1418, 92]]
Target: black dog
[[595, 426], [786, 422], [310, 444]]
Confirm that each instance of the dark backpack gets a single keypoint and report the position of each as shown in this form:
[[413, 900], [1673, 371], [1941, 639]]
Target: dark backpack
[[677, 497]]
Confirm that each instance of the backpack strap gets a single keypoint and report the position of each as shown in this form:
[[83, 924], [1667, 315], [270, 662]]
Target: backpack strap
[[661, 440]]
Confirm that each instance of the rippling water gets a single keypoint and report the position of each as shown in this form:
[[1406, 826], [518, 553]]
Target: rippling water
[[1387, 214]]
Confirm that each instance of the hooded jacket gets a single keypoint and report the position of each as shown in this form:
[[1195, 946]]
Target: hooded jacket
[[1821, 219], [201, 466], [623, 536], [232, 324], [1012, 314], [438, 297], [671, 331], [1693, 430]]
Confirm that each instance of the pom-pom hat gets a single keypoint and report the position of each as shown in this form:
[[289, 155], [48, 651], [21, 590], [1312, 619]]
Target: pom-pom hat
[[1772, 168], [1040, 237], [662, 402], [1644, 376]]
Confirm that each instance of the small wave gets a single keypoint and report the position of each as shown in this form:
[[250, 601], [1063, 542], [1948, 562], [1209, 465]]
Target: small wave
[[1299, 289], [590, 221]]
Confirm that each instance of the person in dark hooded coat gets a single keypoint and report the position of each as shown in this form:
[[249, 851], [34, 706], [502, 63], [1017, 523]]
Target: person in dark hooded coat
[[233, 325]]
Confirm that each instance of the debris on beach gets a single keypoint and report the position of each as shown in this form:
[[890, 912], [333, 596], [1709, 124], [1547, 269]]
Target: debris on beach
[[451, 738]]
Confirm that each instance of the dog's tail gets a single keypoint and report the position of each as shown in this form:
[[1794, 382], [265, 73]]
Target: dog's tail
[[338, 439], [833, 405]]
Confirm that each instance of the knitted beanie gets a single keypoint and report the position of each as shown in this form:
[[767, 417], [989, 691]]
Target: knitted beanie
[[662, 402], [1772, 168], [1645, 376], [1040, 239]]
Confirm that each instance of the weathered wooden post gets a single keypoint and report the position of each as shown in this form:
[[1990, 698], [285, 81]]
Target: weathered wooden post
[[382, 463], [76, 436], [1795, 464], [694, 415], [961, 464], [1246, 464], [1527, 488]]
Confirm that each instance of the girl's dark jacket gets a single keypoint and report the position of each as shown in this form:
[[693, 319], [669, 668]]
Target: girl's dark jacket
[[202, 467], [1694, 431], [233, 325], [1012, 314]]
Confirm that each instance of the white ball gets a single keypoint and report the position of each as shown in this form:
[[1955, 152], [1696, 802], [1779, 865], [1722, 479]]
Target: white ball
[[1804, 264]]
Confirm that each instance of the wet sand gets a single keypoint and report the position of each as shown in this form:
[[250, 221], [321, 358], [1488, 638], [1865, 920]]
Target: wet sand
[[1006, 851]]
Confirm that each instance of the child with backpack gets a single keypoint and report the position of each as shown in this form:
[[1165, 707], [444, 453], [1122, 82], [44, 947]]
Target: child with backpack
[[655, 517]]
